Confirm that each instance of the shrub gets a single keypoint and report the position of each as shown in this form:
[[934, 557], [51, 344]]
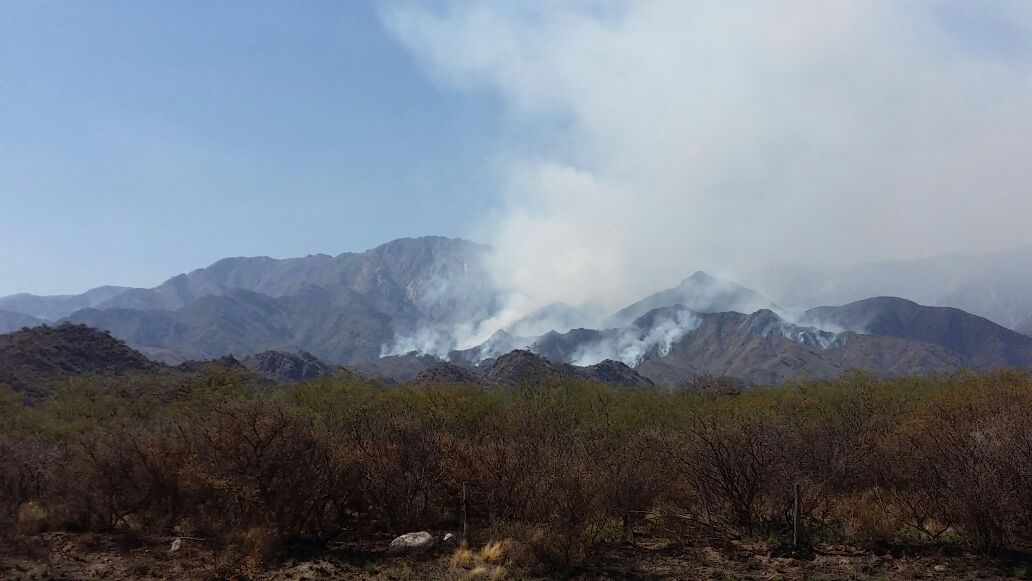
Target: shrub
[[556, 470]]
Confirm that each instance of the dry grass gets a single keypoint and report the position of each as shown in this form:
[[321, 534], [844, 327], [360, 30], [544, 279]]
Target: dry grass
[[65, 556], [496, 573], [487, 563], [463, 558], [494, 552]]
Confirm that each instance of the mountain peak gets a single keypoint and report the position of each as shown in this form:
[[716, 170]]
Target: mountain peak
[[701, 293], [700, 276]]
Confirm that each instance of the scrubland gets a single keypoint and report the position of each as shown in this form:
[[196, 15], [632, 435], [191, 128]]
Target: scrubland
[[915, 477]]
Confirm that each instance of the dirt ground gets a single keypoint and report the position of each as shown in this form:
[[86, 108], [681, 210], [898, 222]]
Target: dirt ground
[[91, 556]]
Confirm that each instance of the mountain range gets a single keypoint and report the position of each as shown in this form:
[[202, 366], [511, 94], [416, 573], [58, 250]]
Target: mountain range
[[35, 361], [994, 285], [392, 311]]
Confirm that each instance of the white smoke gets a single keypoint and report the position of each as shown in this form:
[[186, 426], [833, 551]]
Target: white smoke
[[632, 345], [651, 139], [436, 340]]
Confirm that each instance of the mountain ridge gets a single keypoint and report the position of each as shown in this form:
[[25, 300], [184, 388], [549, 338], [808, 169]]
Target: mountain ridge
[[415, 296]]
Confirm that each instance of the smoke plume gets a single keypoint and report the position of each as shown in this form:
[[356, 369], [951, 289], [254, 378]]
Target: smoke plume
[[652, 139]]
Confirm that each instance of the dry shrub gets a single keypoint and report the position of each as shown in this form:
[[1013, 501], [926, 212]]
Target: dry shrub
[[32, 518], [869, 517], [462, 558], [245, 552], [489, 562], [732, 467], [400, 471], [553, 469], [493, 553], [533, 546], [31, 471], [963, 462], [262, 543], [518, 550]]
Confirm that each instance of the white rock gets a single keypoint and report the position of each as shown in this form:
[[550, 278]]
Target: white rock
[[177, 543], [411, 544]]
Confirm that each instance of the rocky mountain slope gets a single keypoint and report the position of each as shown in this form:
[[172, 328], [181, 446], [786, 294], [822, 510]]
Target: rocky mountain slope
[[398, 311], [344, 309], [980, 342], [34, 360], [520, 367], [674, 345], [762, 348], [286, 367]]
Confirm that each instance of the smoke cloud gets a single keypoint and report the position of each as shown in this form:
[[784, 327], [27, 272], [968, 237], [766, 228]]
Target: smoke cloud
[[631, 345], [651, 139]]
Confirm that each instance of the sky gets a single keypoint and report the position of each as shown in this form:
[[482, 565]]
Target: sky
[[601, 147], [139, 140]]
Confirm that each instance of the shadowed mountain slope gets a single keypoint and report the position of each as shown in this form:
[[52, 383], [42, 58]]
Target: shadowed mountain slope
[[522, 367], [447, 373], [11, 321], [286, 367], [342, 309], [981, 342], [33, 360], [762, 348]]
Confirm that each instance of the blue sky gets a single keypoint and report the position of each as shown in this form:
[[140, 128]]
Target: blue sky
[[143, 139]]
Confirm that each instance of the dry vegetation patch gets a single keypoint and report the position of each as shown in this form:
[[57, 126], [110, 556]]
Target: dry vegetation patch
[[570, 479]]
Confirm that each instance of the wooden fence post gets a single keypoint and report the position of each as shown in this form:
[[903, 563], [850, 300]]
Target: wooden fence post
[[796, 509], [465, 502]]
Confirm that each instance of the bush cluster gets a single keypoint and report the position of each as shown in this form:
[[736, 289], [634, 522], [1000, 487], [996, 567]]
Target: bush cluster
[[556, 469]]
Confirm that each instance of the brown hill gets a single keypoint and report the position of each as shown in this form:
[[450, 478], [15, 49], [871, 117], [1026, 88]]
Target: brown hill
[[762, 348], [286, 367], [447, 373], [616, 373], [521, 367], [980, 342], [33, 360]]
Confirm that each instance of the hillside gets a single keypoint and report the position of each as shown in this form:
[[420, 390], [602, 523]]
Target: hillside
[[700, 293], [33, 360], [54, 307], [520, 368], [285, 367], [994, 285], [673, 346], [11, 321], [980, 342], [402, 307], [344, 309]]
